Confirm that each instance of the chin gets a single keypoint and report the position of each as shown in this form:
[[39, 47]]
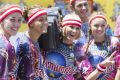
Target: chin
[[100, 35], [13, 34], [44, 31]]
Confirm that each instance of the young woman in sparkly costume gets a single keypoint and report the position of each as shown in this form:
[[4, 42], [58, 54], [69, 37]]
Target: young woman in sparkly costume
[[10, 21], [26, 43], [59, 63]]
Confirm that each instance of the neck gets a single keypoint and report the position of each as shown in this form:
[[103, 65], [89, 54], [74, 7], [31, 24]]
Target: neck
[[84, 19], [33, 35], [4, 33], [99, 39], [68, 42]]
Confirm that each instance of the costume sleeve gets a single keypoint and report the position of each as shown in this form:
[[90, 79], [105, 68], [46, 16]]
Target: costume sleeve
[[3, 63], [117, 60]]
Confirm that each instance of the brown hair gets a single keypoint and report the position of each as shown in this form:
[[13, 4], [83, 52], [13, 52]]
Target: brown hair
[[29, 10]]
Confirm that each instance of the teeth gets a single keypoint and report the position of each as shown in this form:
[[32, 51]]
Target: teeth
[[15, 29], [99, 31]]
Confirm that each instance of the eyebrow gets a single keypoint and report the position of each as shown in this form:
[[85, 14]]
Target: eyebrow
[[15, 17]]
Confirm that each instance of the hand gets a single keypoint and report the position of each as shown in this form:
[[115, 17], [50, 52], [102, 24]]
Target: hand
[[109, 61]]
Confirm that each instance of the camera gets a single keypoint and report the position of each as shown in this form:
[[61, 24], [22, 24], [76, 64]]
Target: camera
[[50, 40]]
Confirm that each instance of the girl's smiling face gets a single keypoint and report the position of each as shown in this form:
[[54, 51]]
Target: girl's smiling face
[[40, 24], [12, 23], [98, 27], [71, 32]]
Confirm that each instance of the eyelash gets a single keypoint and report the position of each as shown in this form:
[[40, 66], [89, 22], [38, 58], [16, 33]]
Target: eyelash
[[13, 20], [73, 28]]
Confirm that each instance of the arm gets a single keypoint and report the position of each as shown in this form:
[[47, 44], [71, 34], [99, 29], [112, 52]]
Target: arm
[[117, 77], [3, 63], [94, 75], [101, 67]]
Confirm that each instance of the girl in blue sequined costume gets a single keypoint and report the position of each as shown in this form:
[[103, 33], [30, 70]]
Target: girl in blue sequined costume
[[59, 63], [27, 49], [99, 63]]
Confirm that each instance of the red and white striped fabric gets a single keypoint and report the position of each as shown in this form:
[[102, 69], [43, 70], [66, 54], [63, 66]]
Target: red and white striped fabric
[[10, 10], [97, 16], [71, 20], [35, 15], [101, 68]]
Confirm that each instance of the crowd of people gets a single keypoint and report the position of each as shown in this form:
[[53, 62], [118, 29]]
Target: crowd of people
[[87, 48]]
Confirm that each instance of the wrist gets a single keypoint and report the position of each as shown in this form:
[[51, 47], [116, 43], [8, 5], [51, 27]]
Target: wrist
[[101, 68]]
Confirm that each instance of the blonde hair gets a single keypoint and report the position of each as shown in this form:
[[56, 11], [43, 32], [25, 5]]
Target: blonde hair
[[71, 16]]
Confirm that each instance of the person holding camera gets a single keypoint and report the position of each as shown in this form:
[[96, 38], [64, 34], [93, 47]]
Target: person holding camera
[[59, 63]]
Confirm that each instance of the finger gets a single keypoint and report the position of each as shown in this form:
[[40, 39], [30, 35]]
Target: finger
[[112, 62], [111, 57]]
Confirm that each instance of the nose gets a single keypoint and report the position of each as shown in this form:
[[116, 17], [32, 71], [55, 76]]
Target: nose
[[84, 7], [99, 28], [17, 24], [74, 30], [46, 23]]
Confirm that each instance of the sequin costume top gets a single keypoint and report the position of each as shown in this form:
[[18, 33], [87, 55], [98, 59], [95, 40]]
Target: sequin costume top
[[63, 57], [97, 52], [29, 57], [7, 59]]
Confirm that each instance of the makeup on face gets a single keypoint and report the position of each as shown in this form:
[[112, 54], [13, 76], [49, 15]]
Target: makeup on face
[[12, 23], [72, 33]]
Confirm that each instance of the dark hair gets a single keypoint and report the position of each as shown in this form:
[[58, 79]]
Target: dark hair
[[28, 11], [73, 4], [95, 7]]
